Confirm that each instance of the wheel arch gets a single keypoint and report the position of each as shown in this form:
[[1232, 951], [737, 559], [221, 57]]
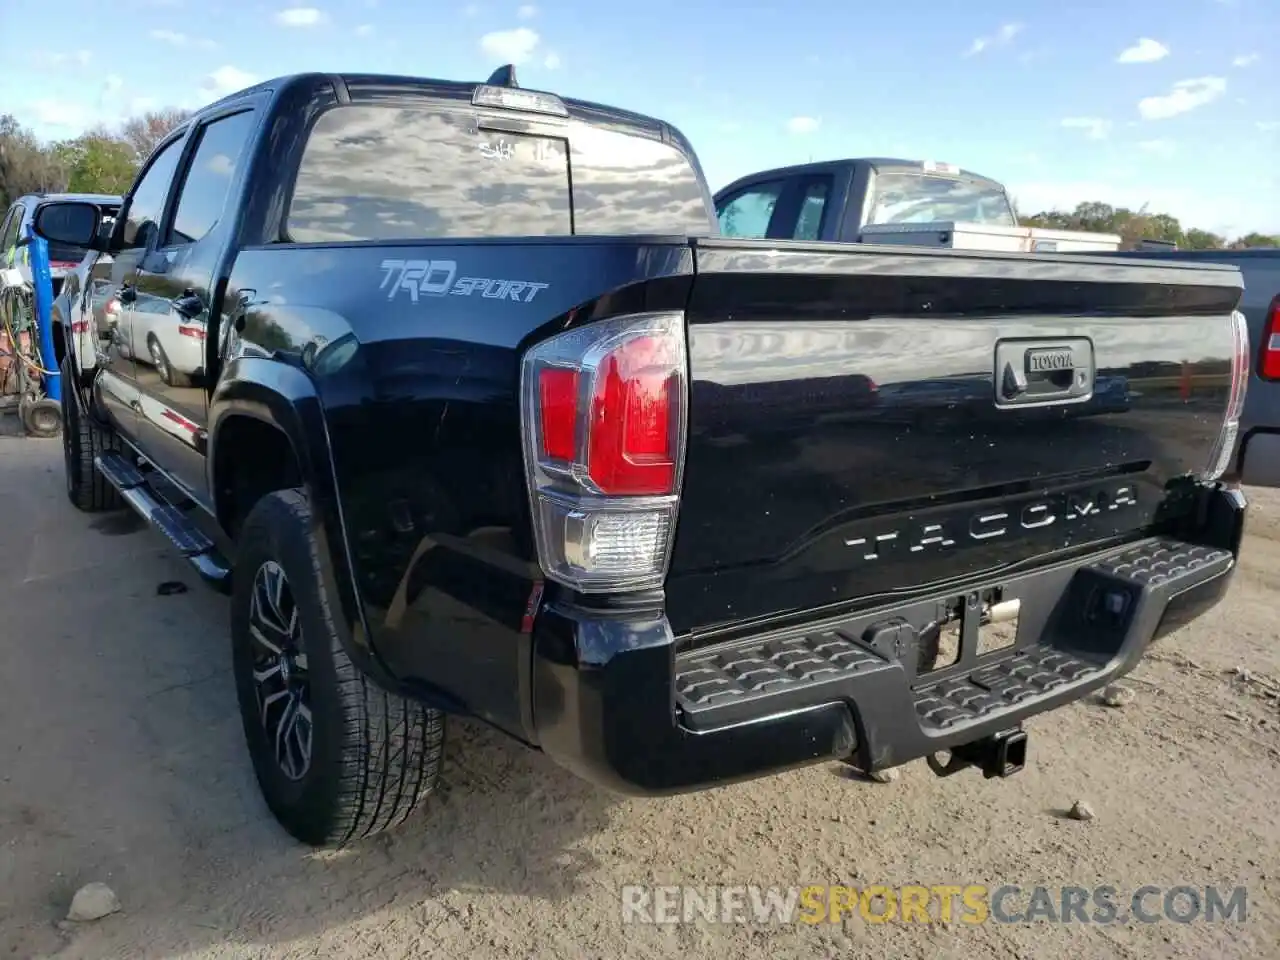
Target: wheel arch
[[260, 399]]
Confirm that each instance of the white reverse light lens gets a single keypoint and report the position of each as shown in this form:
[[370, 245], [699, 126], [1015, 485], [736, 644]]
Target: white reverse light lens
[[599, 548]]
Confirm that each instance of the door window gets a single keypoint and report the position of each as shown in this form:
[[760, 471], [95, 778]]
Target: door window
[[748, 213], [812, 205], [220, 152], [147, 204]]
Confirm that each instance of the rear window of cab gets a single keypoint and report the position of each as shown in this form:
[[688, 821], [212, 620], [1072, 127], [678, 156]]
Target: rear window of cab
[[395, 172]]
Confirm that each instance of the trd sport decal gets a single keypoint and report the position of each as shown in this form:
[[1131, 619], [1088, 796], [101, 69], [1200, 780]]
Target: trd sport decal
[[439, 278]]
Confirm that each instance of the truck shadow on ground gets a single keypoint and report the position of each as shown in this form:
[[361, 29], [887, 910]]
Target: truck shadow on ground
[[125, 763]]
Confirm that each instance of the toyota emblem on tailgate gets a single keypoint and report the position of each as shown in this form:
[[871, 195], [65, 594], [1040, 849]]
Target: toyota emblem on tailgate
[[1041, 373]]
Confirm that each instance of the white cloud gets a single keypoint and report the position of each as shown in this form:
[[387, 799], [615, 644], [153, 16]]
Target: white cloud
[[1246, 60], [112, 83], [1185, 95], [1004, 35], [61, 114], [227, 80], [179, 39], [527, 11], [1267, 126], [471, 10], [220, 163], [803, 124], [552, 61], [301, 17], [1095, 128], [1161, 148], [142, 105], [1145, 50], [79, 58], [364, 30], [510, 46]]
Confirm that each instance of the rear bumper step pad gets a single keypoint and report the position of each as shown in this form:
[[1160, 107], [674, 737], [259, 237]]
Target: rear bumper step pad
[[1080, 626]]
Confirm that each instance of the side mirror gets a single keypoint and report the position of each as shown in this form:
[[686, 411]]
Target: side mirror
[[73, 222]]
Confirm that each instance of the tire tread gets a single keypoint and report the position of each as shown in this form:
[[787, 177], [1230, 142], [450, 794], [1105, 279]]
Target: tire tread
[[392, 746]]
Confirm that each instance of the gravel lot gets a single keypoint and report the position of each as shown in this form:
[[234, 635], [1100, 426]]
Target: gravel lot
[[121, 761]]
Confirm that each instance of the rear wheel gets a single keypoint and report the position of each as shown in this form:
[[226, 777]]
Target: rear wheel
[[336, 756], [82, 440]]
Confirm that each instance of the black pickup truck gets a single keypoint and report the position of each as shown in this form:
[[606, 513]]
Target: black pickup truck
[[488, 420]]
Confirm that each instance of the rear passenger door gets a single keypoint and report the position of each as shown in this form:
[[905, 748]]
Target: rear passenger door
[[176, 286]]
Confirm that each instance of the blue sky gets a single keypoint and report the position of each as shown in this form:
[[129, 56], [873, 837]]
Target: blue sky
[[1173, 103]]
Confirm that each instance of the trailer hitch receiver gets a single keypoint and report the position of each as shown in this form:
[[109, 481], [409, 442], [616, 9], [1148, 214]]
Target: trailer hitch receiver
[[999, 755]]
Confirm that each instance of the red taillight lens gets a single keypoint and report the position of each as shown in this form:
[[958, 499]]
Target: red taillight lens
[[631, 443], [113, 307], [190, 330], [604, 424], [1269, 346], [558, 412]]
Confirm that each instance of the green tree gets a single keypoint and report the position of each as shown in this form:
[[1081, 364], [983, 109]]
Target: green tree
[[1160, 226], [98, 162], [1203, 240], [1258, 240], [144, 133], [25, 165]]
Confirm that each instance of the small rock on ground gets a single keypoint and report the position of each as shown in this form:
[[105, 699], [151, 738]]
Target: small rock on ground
[[885, 776], [1080, 810], [1117, 695], [93, 901]]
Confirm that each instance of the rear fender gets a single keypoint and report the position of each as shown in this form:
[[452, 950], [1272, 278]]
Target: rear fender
[[285, 398]]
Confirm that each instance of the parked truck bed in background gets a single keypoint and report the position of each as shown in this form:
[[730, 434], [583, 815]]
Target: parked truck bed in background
[[490, 421]]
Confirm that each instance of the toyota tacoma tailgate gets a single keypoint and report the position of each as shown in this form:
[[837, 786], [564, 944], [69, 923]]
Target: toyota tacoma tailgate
[[1084, 396]]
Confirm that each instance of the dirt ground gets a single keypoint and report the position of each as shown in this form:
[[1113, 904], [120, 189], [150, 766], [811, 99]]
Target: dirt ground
[[121, 761]]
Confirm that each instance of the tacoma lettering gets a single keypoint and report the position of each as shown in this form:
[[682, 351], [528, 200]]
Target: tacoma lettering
[[992, 524]]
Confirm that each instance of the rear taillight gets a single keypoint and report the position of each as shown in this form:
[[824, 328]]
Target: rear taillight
[[604, 410], [1226, 444], [1269, 348], [113, 307], [192, 330]]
